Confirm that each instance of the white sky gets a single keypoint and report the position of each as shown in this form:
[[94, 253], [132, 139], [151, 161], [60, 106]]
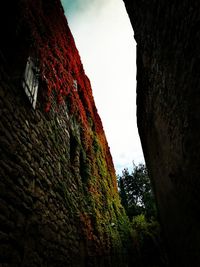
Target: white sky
[[104, 38]]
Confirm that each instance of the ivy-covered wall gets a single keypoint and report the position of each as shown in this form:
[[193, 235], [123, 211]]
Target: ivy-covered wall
[[59, 204]]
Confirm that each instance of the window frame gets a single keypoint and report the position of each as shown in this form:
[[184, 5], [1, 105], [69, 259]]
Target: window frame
[[30, 80]]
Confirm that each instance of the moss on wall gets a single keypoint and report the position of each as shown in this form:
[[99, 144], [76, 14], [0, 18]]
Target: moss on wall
[[58, 190]]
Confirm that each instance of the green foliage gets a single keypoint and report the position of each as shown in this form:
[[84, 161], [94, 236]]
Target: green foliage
[[138, 200], [85, 168], [123, 194], [136, 192], [148, 244], [143, 228], [96, 145], [63, 190]]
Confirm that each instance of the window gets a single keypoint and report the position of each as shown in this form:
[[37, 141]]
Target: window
[[75, 85], [30, 81]]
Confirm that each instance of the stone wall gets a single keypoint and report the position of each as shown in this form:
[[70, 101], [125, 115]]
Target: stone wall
[[168, 108], [59, 204]]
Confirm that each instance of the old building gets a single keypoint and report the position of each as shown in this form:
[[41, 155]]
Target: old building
[[58, 190]]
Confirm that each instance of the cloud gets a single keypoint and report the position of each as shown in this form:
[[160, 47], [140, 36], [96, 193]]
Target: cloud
[[79, 7]]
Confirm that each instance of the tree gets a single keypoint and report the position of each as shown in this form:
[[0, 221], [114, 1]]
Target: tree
[[122, 193], [136, 192], [138, 200]]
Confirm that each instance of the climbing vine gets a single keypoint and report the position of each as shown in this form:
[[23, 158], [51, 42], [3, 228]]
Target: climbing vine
[[62, 78]]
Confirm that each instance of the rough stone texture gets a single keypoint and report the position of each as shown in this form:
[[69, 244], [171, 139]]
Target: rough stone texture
[[58, 191], [168, 111]]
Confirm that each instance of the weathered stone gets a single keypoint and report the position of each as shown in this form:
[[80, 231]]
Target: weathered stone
[[46, 207], [168, 108], [6, 225]]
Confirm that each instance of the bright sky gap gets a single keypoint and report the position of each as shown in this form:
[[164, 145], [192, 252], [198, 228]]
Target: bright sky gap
[[104, 38]]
